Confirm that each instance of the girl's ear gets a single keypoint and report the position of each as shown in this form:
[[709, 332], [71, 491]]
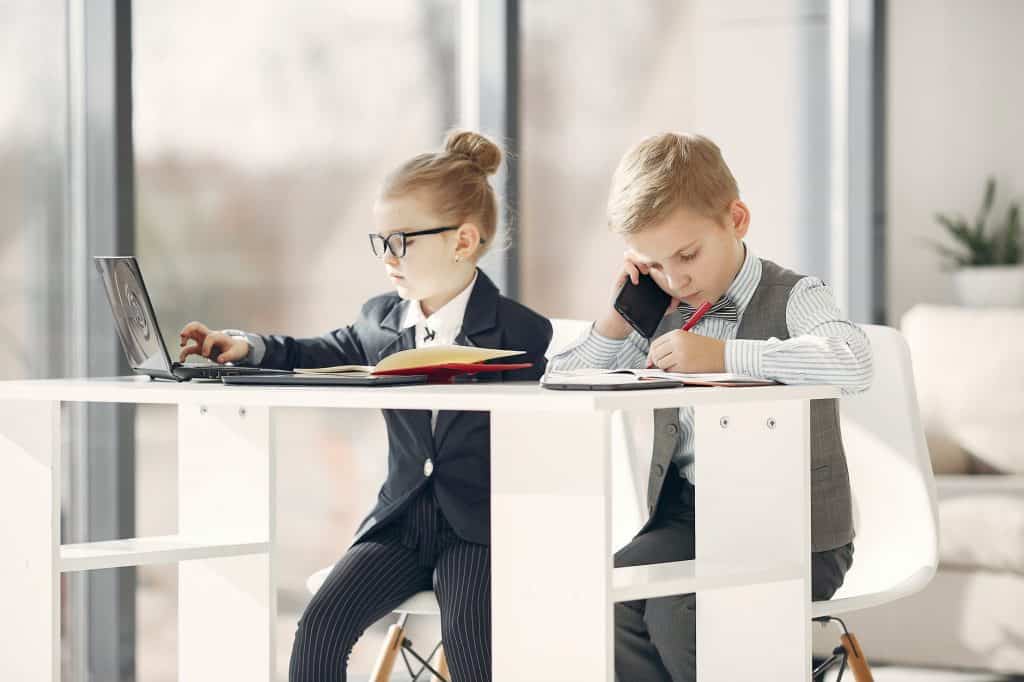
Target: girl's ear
[[467, 241]]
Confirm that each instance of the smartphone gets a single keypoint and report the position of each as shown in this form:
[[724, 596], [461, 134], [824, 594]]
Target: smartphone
[[642, 305]]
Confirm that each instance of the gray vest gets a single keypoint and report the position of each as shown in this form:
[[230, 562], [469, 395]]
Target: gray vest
[[763, 318]]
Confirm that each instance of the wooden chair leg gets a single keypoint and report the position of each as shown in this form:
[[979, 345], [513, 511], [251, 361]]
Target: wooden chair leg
[[389, 652], [855, 658], [442, 665]]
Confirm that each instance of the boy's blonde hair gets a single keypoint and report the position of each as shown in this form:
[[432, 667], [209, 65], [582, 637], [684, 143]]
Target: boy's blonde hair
[[454, 182], [666, 172]]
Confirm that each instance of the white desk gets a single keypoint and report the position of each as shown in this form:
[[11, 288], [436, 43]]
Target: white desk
[[553, 581]]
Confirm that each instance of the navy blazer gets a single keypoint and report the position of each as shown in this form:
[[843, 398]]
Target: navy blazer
[[460, 445]]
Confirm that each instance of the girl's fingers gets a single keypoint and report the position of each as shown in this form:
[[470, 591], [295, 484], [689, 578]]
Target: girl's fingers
[[210, 342], [193, 330]]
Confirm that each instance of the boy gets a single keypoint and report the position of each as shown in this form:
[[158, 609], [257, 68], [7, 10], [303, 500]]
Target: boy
[[676, 204]]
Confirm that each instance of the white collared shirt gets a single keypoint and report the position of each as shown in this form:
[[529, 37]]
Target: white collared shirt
[[442, 326]]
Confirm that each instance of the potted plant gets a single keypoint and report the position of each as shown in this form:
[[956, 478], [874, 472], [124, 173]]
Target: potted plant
[[987, 268]]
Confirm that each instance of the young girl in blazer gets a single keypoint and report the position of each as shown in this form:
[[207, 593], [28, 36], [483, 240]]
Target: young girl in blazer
[[435, 217]]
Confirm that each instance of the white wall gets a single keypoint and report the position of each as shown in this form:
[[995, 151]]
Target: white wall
[[955, 114]]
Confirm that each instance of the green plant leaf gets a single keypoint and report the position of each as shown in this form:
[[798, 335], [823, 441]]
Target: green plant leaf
[[986, 207], [958, 259], [1011, 244]]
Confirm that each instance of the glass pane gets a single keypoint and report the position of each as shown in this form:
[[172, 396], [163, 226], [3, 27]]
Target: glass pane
[[32, 173], [262, 130]]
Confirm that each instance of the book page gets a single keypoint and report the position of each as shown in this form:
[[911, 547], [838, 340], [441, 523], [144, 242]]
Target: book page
[[595, 375], [439, 355], [338, 369], [416, 357]]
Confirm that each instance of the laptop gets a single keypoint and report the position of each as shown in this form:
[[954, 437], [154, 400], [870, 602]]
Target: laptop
[[140, 334]]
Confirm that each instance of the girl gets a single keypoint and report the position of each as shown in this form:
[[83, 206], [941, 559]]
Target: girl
[[435, 217]]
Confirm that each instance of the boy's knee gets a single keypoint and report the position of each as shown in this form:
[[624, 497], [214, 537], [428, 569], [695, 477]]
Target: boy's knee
[[672, 618]]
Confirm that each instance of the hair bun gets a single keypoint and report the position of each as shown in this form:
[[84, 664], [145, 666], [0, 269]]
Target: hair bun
[[476, 148]]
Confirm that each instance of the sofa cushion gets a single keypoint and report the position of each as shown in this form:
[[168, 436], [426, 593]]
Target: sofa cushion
[[969, 373], [982, 532]]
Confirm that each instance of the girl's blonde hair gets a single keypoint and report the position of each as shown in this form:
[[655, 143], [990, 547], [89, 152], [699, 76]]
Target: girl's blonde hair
[[665, 172], [454, 182]]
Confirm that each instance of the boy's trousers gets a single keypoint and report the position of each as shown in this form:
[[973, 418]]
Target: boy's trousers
[[416, 552], [655, 639]]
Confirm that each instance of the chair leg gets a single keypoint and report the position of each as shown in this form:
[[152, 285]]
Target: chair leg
[[442, 667], [389, 651], [855, 657], [849, 653]]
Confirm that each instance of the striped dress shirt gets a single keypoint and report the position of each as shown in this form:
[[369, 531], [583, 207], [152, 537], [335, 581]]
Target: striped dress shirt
[[824, 347]]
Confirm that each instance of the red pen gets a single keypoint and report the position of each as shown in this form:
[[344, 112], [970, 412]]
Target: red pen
[[694, 319]]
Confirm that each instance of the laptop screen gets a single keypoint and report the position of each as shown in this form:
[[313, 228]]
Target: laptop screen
[[133, 314]]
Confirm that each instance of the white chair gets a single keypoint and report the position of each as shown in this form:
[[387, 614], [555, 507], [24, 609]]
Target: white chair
[[628, 515], [895, 512]]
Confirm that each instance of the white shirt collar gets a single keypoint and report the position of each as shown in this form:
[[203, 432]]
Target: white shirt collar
[[742, 288], [447, 320]]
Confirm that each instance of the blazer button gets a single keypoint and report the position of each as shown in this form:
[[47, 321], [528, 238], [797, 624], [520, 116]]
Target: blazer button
[[672, 428], [659, 470], [428, 468]]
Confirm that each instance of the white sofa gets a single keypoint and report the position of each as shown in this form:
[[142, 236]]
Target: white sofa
[[969, 371]]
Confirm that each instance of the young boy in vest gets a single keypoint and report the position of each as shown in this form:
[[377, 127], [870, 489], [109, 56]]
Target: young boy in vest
[[676, 204]]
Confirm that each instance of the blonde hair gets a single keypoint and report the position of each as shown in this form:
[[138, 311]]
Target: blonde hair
[[665, 172], [454, 182]]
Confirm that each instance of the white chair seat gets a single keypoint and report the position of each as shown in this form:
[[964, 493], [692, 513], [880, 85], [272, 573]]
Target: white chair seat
[[420, 604]]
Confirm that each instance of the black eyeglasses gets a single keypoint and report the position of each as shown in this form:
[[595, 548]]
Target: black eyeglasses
[[395, 242]]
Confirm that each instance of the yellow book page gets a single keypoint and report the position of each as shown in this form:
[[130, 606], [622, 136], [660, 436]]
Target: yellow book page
[[418, 357], [439, 355]]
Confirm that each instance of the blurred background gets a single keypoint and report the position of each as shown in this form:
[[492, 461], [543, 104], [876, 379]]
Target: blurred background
[[235, 148]]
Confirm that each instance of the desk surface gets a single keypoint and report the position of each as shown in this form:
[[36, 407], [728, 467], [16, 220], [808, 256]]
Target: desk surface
[[506, 396]]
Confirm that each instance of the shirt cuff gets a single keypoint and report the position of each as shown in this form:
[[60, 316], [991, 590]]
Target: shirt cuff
[[744, 356], [257, 349]]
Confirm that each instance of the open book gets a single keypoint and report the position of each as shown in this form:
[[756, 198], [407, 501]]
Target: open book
[[439, 363], [612, 377]]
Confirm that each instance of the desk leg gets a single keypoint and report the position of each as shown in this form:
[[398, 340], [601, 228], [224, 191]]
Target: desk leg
[[551, 552], [226, 606], [753, 510], [30, 447]]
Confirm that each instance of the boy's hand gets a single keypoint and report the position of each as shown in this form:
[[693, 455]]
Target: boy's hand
[[217, 346], [612, 325], [679, 351]]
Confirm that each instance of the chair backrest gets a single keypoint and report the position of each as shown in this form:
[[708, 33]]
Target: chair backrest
[[629, 466], [895, 515]]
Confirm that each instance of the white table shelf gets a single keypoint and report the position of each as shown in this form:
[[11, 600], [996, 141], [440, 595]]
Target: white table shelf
[[551, 546], [683, 577], [152, 550]]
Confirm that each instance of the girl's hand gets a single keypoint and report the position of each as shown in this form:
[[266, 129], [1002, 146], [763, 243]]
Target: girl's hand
[[679, 351], [217, 346]]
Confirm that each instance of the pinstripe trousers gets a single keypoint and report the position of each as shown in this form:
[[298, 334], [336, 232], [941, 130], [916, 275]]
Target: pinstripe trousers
[[415, 552]]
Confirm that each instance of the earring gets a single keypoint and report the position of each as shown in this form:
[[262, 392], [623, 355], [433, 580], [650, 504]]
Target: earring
[[458, 258]]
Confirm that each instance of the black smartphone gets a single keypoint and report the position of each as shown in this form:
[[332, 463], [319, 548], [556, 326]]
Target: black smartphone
[[642, 305]]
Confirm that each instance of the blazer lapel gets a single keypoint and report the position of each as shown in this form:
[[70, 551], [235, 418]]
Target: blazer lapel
[[404, 340], [480, 329]]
